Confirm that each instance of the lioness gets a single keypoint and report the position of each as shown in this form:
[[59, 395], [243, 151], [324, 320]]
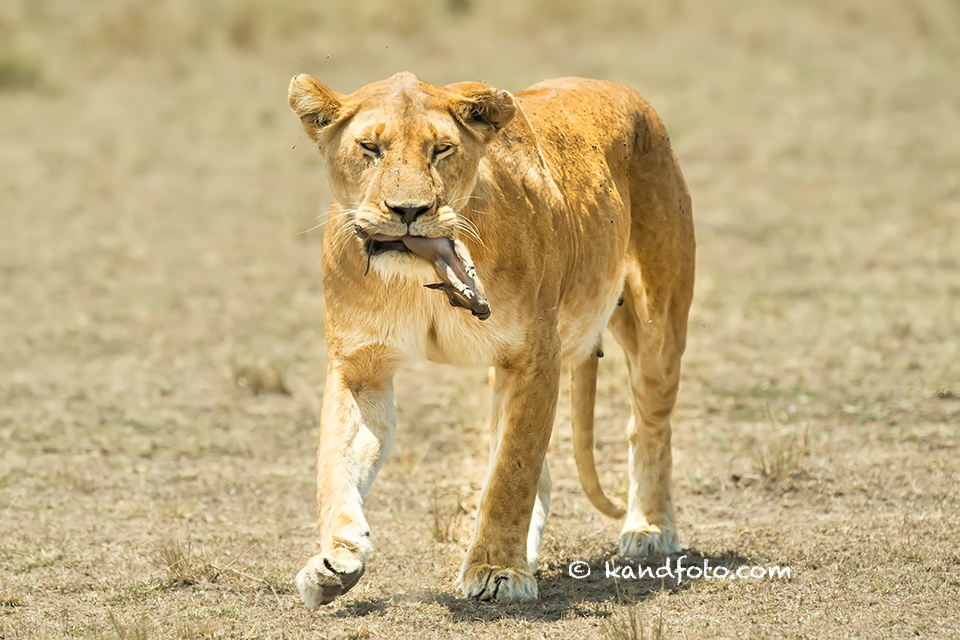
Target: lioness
[[475, 227]]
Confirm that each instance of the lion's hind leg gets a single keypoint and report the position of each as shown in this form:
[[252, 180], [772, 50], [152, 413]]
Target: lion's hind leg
[[653, 363], [651, 326]]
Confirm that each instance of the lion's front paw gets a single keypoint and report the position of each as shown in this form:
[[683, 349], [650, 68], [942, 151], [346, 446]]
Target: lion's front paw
[[324, 578], [502, 584], [648, 541]]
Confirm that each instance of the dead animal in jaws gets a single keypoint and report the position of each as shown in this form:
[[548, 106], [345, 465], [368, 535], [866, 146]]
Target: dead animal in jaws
[[451, 263]]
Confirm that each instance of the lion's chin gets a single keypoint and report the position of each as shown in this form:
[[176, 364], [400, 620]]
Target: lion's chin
[[400, 263]]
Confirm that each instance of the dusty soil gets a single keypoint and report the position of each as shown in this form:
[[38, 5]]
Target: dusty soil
[[162, 339]]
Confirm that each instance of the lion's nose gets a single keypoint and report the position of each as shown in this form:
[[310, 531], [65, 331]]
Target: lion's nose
[[409, 212]]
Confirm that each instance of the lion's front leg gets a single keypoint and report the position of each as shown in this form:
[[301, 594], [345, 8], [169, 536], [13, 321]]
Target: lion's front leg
[[541, 509], [357, 424], [524, 403]]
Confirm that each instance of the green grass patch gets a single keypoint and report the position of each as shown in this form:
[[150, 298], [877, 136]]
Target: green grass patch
[[19, 73]]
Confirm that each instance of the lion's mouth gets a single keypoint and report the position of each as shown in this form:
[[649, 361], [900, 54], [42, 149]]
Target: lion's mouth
[[376, 247], [450, 260]]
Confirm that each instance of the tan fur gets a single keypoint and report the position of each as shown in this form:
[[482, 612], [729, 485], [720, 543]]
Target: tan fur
[[569, 199]]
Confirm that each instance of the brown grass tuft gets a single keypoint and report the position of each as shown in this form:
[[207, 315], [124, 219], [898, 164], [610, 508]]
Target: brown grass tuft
[[258, 376], [139, 630], [10, 601], [178, 561], [446, 513], [629, 624], [783, 459]]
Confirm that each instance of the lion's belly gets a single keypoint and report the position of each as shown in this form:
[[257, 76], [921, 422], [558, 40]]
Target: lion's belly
[[584, 316]]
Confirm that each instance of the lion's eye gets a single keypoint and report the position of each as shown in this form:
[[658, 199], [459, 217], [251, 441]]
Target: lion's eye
[[370, 148], [442, 151]]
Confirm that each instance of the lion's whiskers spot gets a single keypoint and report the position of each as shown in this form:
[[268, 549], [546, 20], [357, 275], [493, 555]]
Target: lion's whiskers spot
[[447, 215]]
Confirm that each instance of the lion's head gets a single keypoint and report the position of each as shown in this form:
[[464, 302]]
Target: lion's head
[[402, 156]]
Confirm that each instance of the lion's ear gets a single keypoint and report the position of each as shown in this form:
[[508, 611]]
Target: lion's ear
[[482, 108], [317, 106]]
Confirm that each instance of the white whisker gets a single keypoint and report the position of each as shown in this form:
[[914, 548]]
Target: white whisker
[[469, 222], [343, 237], [462, 198], [327, 218], [468, 228]]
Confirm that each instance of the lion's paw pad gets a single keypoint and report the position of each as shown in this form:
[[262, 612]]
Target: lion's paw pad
[[502, 584]]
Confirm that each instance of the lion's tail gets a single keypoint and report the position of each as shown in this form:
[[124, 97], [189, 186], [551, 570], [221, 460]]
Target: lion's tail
[[583, 394]]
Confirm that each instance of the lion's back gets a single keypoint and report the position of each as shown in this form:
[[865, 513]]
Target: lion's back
[[585, 125]]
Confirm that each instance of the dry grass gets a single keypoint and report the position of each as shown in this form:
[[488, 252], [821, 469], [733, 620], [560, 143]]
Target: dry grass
[[446, 514], [782, 460], [163, 322], [631, 623], [259, 376]]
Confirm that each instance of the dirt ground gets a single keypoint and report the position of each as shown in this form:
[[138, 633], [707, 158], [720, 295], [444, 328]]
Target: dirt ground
[[161, 334]]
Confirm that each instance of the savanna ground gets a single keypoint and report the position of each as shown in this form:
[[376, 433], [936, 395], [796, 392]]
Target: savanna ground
[[161, 335]]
